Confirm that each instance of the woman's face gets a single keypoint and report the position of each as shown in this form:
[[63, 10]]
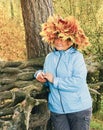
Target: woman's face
[[60, 44]]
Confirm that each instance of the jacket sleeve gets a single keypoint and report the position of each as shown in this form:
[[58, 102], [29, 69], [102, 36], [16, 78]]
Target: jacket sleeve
[[42, 70], [38, 71], [78, 78]]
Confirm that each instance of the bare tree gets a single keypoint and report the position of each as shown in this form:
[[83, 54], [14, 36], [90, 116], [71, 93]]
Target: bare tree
[[35, 12]]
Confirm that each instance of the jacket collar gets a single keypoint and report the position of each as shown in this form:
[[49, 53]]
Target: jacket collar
[[70, 50]]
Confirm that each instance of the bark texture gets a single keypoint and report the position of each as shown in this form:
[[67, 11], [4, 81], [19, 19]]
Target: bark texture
[[34, 13]]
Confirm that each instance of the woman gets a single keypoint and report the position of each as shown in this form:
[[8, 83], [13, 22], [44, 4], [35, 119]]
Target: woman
[[65, 73]]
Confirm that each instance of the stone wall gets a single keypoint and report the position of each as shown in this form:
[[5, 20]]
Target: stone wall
[[23, 100]]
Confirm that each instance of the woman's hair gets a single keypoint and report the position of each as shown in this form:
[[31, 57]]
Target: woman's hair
[[75, 45]]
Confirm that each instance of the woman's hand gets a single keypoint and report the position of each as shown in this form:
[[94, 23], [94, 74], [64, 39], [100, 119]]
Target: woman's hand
[[40, 77], [49, 77]]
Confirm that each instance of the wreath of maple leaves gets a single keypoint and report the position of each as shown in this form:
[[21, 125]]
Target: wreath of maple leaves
[[65, 28]]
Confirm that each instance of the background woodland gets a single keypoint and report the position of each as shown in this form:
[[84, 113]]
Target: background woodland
[[13, 46]]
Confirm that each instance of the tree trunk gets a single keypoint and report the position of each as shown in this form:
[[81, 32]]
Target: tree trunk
[[35, 12]]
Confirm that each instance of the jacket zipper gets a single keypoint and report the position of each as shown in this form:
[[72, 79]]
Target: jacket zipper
[[57, 87]]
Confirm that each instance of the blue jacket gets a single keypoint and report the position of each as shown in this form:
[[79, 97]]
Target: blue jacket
[[69, 91]]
